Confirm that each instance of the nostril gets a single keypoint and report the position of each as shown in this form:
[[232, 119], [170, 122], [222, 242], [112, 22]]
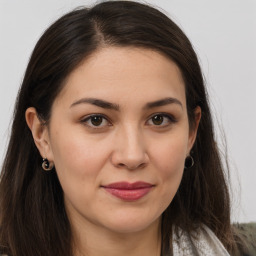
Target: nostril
[[131, 167], [142, 165]]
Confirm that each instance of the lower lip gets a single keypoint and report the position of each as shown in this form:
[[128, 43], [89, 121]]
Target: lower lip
[[129, 194]]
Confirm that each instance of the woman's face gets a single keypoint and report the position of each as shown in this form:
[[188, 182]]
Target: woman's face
[[118, 137]]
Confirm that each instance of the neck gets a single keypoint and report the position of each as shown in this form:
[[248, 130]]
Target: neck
[[92, 240]]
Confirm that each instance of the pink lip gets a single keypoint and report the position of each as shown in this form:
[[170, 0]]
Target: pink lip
[[128, 191]]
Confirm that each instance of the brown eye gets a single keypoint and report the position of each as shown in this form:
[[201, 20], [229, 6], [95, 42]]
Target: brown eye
[[157, 119], [96, 120], [161, 119]]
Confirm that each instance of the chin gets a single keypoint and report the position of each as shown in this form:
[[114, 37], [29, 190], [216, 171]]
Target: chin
[[131, 224]]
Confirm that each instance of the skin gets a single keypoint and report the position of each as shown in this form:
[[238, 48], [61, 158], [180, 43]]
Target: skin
[[127, 145]]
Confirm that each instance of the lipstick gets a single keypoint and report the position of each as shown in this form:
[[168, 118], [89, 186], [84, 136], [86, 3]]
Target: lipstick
[[129, 191]]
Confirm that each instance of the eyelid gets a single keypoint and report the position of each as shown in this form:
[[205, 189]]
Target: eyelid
[[170, 117], [86, 118]]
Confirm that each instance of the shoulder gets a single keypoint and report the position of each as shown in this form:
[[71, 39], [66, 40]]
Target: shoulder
[[201, 242], [246, 233]]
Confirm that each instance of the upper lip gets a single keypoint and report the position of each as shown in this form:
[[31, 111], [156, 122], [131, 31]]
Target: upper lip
[[127, 185]]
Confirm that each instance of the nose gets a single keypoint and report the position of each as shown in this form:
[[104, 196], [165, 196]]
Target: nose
[[129, 149]]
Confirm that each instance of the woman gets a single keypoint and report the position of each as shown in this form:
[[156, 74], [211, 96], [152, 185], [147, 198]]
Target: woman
[[112, 150]]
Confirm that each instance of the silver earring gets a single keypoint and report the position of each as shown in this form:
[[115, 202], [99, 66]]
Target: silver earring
[[189, 162], [46, 165]]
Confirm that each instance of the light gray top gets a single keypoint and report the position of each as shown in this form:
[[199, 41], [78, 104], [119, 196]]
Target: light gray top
[[203, 243]]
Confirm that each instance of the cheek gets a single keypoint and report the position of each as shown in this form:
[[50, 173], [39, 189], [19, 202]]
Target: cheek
[[169, 160], [78, 162], [78, 159], [169, 155]]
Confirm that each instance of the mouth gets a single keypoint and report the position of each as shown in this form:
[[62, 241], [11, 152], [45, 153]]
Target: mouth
[[129, 191]]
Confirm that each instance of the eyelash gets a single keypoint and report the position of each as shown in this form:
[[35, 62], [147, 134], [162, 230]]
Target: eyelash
[[89, 119], [170, 120]]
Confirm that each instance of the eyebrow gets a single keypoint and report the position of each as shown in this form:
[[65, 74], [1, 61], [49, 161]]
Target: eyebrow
[[97, 102], [163, 102], [108, 105]]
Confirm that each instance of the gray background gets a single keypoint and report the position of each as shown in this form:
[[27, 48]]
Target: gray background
[[223, 33]]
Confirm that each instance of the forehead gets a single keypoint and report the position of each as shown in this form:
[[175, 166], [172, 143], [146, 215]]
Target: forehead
[[115, 73]]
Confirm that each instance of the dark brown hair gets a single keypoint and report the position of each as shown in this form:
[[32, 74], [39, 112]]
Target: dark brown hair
[[33, 219]]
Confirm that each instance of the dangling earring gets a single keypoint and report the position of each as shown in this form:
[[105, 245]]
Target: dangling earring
[[46, 165], [189, 162]]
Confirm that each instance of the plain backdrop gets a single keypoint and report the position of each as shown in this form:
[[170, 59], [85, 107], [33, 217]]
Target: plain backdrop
[[223, 33]]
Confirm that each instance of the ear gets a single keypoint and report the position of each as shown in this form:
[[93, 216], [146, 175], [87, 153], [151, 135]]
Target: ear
[[194, 128], [39, 132]]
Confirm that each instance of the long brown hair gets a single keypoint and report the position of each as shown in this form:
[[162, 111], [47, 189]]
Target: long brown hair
[[33, 219]]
